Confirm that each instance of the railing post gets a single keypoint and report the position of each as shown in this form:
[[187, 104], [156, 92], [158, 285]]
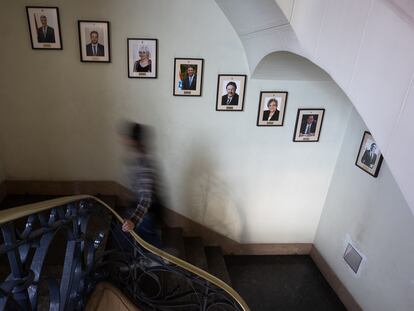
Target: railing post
[[17, 270]]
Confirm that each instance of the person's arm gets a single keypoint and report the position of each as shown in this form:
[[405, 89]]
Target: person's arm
[[145, 185], [142, 207]]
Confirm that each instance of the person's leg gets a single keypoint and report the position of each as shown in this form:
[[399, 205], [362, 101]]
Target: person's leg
[[147, 230]]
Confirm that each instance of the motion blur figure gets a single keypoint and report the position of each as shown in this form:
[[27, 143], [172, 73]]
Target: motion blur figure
[[143, 214]]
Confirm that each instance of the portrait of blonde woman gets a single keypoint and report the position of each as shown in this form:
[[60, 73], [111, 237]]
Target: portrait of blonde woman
[[143, 64], [142, 58]]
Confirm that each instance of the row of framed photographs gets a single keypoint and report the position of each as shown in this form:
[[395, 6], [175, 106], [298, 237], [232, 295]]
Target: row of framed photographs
[[45, 33]]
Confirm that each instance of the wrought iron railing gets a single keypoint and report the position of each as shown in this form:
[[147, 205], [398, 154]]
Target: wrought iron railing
[[53, 253]]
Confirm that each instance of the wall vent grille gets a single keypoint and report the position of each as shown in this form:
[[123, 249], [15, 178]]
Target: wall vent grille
[[352, 258]]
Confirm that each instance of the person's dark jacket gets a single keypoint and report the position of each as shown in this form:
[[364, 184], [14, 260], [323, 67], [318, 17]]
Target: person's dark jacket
[[266, 114], [48, 38], [186, 83], [100, 51], [234, 100]]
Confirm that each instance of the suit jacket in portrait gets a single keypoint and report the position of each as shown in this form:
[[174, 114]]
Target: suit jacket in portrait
[[312, 129], [266, 114], [367, 159], [186, 83], [100, 50], [46, 37], [234, 100]]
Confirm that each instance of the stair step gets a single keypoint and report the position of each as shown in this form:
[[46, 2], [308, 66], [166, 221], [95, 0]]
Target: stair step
[[216, 264], [194, 250], [111, 200], [173, 238]]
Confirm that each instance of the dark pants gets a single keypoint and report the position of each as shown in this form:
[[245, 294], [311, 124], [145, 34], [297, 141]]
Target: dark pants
[[147, 230]]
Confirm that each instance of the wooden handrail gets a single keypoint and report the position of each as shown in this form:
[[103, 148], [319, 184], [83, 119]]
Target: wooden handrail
[[12, 214]]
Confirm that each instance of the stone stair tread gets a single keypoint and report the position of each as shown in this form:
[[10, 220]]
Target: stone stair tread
[[216, 263], [194, 250], [172, 238]]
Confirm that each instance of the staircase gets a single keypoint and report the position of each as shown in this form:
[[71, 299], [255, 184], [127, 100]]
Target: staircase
[[189, 249], [192, 250], [284, 281]]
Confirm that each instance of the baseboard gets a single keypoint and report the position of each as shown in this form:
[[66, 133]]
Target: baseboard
[[229, 246], [336, 284]]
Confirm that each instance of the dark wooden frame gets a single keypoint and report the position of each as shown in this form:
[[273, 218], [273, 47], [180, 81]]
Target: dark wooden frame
[[58, 22], [156, 58], [297, 124], [260, 107], [381, 158], [218, 90], [80, 42], [201, 75]]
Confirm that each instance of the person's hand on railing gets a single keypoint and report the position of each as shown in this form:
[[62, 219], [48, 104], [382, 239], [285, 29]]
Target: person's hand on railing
[[128, 225]]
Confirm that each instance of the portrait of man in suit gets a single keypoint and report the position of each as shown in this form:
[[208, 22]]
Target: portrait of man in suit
[[308, 125], [45, 33], [94, 48], [190, 79], [231, 98], [370, 156]]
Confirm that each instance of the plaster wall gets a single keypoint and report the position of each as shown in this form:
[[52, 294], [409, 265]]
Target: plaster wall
[[2, 177], [373, 214], [365, 46], [59, 118]]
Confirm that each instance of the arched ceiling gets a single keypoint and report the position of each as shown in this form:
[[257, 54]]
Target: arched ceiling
[[364, 45], [288, 66]]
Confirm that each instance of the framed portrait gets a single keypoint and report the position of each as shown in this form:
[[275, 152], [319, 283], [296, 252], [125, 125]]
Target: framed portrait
[[308, 125], [272, 106], [94, 41], [44, 28], [142, 58], [369, 157], [230, 92], [188, 76]]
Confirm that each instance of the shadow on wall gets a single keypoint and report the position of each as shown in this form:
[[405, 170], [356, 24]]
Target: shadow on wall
[[209, 198]]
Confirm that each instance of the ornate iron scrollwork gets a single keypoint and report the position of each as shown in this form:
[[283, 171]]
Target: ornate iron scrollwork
[[94, 249]]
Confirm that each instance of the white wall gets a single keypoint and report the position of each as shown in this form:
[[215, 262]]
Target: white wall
[[59, 116], [364, 45], [244, 180], [374, 214]]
